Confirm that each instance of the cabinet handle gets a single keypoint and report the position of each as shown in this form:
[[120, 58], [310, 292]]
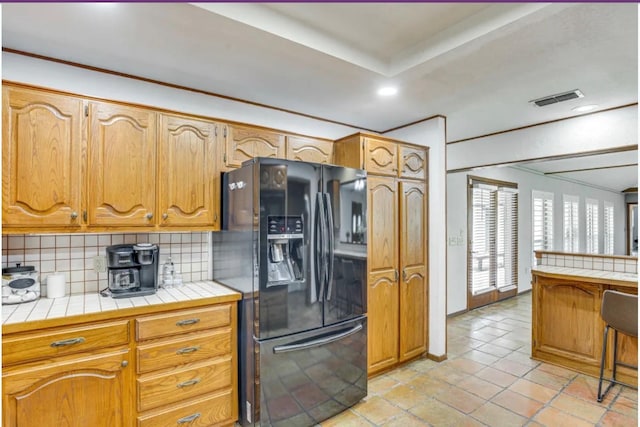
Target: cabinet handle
[[74, 215], [70, 341], [188, 350], [190, 418], [165, 215], [397, 275], [189, 383], [124, 364], [215, 217], [149, 215], [404, 275], [187, 322]]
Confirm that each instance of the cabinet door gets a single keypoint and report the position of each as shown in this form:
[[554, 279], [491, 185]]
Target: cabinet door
[[413, 162], [413, 269], [309, 150], [92, 390], [382, 299], [186, 173], [41, 160], [122, 161], [380, 157], [244, 143]]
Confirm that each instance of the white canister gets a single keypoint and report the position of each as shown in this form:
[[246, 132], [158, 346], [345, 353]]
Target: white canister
[[56, 285]]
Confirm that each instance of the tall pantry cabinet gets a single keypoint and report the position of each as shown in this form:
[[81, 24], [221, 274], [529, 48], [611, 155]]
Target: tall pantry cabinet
[[397, 245]]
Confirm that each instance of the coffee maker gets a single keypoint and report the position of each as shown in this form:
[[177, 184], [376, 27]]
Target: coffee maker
[[133, 269]]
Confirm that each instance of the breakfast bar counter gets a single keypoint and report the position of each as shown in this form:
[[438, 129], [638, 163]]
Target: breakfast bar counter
[[567, 329]]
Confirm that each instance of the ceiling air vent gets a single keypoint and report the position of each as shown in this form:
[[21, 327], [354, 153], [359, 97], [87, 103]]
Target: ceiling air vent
[[559, 97]]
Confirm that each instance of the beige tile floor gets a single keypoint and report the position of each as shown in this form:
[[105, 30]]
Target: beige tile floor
[[489, 380]]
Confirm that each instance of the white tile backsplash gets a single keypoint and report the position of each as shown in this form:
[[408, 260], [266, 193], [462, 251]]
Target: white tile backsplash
[[596, 262], [72, 254]]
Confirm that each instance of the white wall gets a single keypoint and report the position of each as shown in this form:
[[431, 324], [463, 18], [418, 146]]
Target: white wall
[[527, 181], [431, 133]]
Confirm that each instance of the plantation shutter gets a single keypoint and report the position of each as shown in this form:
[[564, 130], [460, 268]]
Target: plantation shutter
[[571, 239], [484, 230], [591, 220], [542, 221], [507, 239], [608, 228]]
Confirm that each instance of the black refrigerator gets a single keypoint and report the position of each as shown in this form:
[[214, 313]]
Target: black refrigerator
[[293, 242]]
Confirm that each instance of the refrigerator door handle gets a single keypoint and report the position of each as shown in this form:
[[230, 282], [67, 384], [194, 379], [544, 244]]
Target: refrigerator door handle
[[317, 342], [319, 246], [330, 242]]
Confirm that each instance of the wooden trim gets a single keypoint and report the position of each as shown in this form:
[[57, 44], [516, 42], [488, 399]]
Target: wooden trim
[[415, 123], [627, 235], [541, 123], [458, 313], [634, 258], [176, 86], [547, 158], [491, 181], [435, 358], [592, 169], [630, 190]]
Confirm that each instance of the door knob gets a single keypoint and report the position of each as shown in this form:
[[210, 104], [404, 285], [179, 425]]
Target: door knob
[[149, 215], [74, 215], [165, 215]]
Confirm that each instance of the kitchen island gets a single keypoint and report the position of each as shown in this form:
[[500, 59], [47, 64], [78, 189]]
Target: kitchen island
[[159, 360], [567, 329]]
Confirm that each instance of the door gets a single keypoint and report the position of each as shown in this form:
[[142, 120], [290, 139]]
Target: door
[[245, 143], [413, 269], [493, 249], [122, 165], [187, 170], [309, 149], [345, 206], [383, 299], [41, 145], [290, 289], [309, 377]]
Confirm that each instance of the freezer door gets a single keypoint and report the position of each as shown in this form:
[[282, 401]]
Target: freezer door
[[312, 376], [290, 297], [345, 207]]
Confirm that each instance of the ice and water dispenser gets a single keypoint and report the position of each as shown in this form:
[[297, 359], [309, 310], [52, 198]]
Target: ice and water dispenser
[[285, 240]]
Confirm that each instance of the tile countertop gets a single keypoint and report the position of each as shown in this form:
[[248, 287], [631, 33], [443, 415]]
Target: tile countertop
[[596, 276], [46, 309]]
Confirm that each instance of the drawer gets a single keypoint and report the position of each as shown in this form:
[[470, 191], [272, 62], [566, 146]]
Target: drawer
[[179, 322], [183, 383], [180, 350], [58, 342], [202, 412]]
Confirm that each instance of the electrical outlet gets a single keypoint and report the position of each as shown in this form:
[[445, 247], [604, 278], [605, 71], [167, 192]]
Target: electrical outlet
[[100, 264]]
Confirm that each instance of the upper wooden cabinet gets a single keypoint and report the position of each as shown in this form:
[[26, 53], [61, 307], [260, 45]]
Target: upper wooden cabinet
[[412, 162], [309, 149], [121, 168], [187, 172], [41, 159], [380, 157], [243, 143]]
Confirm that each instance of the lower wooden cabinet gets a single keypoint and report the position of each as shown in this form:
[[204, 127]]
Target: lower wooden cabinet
[[180, 368]]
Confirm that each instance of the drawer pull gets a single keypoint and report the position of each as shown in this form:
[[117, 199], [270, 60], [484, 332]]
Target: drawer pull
[[188, 350], [190, 418], [187, 322], [70, 341], [189, 383]]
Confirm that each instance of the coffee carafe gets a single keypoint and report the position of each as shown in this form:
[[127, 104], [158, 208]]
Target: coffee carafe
[[133, 269]]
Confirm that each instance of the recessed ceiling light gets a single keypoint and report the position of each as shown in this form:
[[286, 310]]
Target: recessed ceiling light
[[387, 91], [584, 108]]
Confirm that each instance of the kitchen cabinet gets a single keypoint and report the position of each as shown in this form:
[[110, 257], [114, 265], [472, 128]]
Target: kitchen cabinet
[[567, 329], [188, 177], [41, 159], [186, 365], [121, 165], [78, 375], [397, 175], [243, 143], [309, 149]]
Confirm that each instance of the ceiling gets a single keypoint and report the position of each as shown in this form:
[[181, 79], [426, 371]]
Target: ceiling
[[478, 64]]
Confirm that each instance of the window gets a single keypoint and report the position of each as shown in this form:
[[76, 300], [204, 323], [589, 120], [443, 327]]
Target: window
[[571, 240], [542, 219], [591, 219], [493, 252], [608, 228]]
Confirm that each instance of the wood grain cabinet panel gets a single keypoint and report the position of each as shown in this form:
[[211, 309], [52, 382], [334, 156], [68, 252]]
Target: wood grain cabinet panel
[[187, 171], [213, 410], [309, 149], [244, 143], [380, 157], [122, 165], [41, 159], [413, 162], [413, 265], [84, 390]]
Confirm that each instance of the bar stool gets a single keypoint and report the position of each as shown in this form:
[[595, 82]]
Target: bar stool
[[620, 313]]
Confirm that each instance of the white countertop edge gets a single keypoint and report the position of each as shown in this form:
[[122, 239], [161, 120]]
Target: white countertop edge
[[583, 272]]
